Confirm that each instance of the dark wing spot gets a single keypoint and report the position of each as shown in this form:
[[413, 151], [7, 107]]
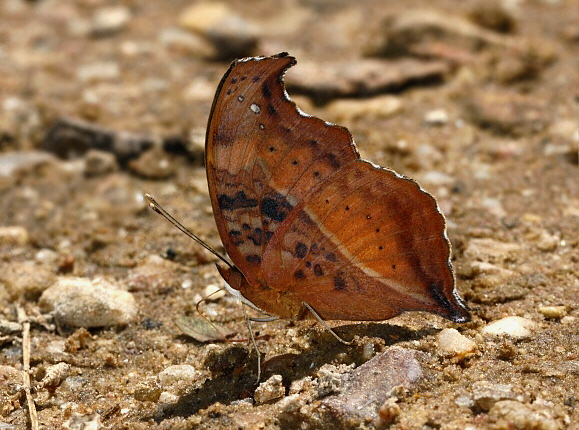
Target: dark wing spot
[[308, 264], [253, 259], [295, 162], [233, 80], [299, 274], [301, 250], [239, 201], [332, 159], [268, 236], [235, 233], [368, 216], [318, 270], [257, 237], [265, 91], [255, 78], [246, 226], [271, 207], [330, 256], [339, 283], [380, 247], [271, 109], [393, 266]]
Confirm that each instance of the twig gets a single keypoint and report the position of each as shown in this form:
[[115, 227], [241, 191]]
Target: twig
[[23, 319]]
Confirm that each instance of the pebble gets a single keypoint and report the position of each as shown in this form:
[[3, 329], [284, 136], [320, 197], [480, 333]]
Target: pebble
[[99, 163], [110, 20], [25, 280], [269, 390], [177, 373], [323, 81], [10, 162], [515, 327], [367, 388], [168, 398], [213, 292], [14, 235], [84, 421], [556, 312], [507, 112], [490, 250], [486, 394], [9, 327], [436, 117], [82, 302], [148, 391], [379, 107], [515, 415], [153, 164], [187, 43], [154, 273], [450, 341], [232, 35], [98, 72]]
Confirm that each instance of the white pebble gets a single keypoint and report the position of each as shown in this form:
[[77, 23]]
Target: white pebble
[[269, 390], [451, 341], [515, 327], [82, 302]]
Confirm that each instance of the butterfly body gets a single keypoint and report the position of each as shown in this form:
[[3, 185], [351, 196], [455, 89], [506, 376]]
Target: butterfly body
[[305, 220]]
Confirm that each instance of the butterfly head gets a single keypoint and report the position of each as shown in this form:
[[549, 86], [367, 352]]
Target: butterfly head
[[233, 277]]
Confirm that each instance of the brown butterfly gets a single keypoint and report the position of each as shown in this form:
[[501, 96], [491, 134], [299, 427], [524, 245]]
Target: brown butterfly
[[308, 224]]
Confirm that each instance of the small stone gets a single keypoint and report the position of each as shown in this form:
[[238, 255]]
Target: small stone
[[434, 177], [110, 20], [187, 43], [568, 320], [81, 302], [25, 280], [556, 312], [14, 235], [511, 414], [213, 293], [450, 341], [232, 36], [155, 273], [387, 413], [364, 390], [100, 163], [269, 390], [98, 72], [436, 117], [490, 250], [153, 164], [9, 327], [178, 373], [149, 391], [506, 112], [379, 107], [168, 398], [515, 327], [486, 394], [11, 162], [82, 421]]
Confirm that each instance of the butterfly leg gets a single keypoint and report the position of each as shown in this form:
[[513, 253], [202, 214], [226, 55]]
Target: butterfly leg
[[248, 321], [325, 324]]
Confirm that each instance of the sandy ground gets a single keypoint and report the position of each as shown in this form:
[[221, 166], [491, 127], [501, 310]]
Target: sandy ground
[[101, 103]]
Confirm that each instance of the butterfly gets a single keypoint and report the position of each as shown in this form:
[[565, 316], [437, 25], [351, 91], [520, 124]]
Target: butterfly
[[310, 226]]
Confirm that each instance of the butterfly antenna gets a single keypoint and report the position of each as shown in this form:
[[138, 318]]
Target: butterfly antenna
[[159, 209], [247, 320]]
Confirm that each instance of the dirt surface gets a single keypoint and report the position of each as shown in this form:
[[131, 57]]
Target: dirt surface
[[100, 103]]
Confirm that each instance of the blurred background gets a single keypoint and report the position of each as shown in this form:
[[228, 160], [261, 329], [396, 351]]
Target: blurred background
[[103, 101]]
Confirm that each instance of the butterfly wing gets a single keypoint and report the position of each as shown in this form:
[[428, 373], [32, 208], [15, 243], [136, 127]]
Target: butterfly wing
[[300, 213]]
